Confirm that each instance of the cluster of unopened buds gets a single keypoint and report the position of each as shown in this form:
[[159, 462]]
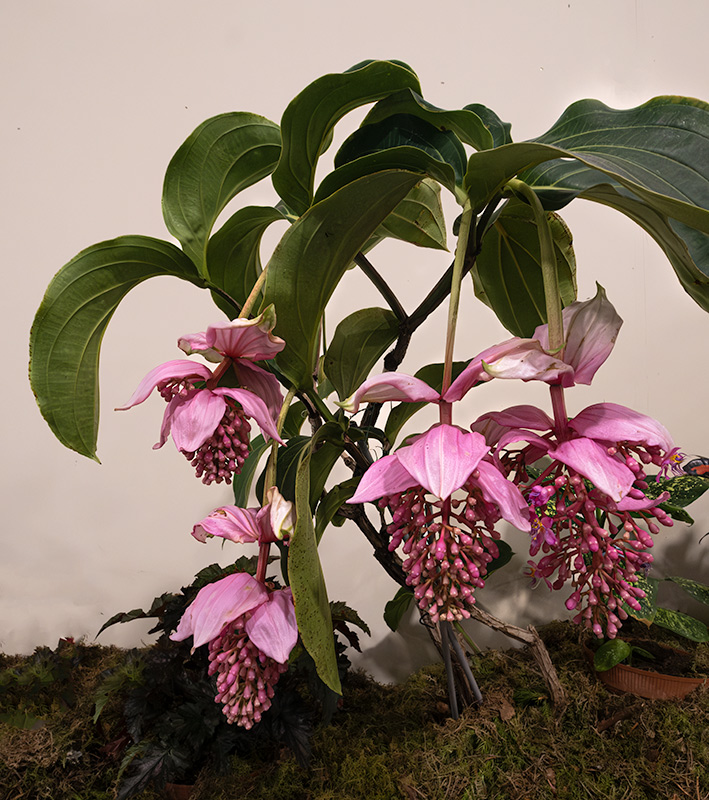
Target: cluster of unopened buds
[[447, 544]]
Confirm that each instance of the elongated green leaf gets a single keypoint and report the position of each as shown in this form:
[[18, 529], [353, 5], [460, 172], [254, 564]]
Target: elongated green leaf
[[499, 130], [313, 255], [411, 159], [655, 151], [504, 557], [682, 624], [65, 340], [688, 253], [507, 275], [395, 609], [418, 219], [233, 259], [404, 130], [312, 608], [308, 121], [359, 342], [697, 590], [683, 489], [331, 504], [465, 123], [223, 156]]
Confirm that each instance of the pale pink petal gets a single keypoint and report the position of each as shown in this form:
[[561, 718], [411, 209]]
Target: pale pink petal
[[167, 420], [197, 343], [442, 459], [230, 522], [491, 430], [508, 498], [254, 407], [281, 513], [264, 384], [170, 370], [629, 503], [273, 628], [513, 435], [591, 460], [523, 359], [590, 331], [390, 386], [217, 604], [196, 418], [611, 422], [386, 476], [523, 416], [246, 338]]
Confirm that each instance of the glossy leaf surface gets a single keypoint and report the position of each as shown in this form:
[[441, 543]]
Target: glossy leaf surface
[[223, 156], [465, 123], [313, 255], [233, 258], [418, 219], [682, 624], [331, 504], [698, 591], [308, 121], [507, 275], [404, 130], [65, 340], [395, 609], [359, 342]]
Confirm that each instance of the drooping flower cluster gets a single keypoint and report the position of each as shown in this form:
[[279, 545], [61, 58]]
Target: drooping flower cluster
[[209, 423], [582, 481], [250, 626], [448, 542]]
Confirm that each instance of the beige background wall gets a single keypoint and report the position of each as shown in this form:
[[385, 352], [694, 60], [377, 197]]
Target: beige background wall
[[96, 96]]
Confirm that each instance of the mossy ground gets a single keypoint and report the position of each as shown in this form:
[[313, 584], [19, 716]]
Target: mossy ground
[[398, 742]]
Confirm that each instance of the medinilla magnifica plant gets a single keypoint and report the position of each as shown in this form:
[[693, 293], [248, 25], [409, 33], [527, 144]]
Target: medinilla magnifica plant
[[591, 491]]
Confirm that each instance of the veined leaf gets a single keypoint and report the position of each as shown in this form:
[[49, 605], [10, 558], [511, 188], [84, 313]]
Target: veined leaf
[[233, 258], [330, 505], [507, 275], [359, 341], [465, 123], [65, 340], [312, 608], [223, 156], [499, 130], [404, 130], [683, 489], [307, 122], [313, 255], [654, 153], [395, 609], [418, 219]]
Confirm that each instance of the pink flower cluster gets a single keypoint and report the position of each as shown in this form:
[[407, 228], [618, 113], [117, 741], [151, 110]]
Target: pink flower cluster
[[585, 507], [208, 422]]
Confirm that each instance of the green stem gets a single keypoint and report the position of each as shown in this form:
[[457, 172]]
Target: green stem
[[467, 224], [552, 295], [319, 404], [251, 299]]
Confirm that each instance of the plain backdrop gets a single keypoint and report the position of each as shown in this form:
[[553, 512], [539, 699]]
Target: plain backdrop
[[96, 96]]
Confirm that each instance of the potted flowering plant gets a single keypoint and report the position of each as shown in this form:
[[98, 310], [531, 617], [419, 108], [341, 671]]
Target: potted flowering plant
[[580, 487]]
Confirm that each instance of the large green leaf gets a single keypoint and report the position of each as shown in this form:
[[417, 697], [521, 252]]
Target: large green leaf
[[405, 130], [233, 258], [656, 152], [313, 255], [306, 580], [65, 340], [331, 504], [507, 275], [418, 219], [465, 123], [688, 253], [648, 604], [308, 121], [359, 341], [223, 156]]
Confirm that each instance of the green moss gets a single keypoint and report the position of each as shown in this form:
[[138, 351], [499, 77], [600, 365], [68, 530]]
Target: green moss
[[398, 742]]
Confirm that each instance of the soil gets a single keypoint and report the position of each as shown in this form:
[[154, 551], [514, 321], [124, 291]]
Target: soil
[[667, 661]]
